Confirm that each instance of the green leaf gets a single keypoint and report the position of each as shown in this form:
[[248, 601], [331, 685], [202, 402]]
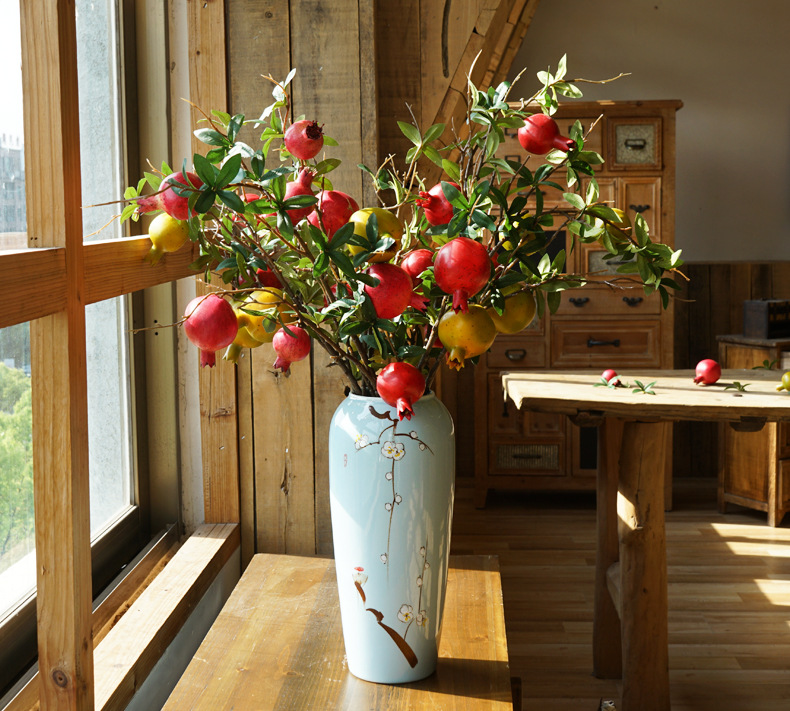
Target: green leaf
[[569, 90], [210, 137], [452, 169], [412, 154], [453, 195], [205, 171], [232, 200], [204, 201], [432, 155], [327, 165], [561, 67], [433, 132], [574, 200], [553, 300], [230, 171], [640, 229], [411, 132]]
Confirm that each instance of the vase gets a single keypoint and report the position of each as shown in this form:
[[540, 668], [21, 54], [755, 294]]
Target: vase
[[391, 488]]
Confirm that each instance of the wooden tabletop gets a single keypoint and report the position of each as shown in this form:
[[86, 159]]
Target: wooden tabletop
[[676, 396], [277, 644]]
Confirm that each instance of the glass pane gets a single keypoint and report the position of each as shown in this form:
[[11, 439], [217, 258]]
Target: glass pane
[[13, 221], [17, 533], [109, 420], [100, 116]]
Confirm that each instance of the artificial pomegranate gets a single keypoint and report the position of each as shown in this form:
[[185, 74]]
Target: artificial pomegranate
[[435, 205], [400, 385], [168, 200], [262, 306], [540, 133], [517, 314], [416, 262], [610, 377], [210, 324], [466, 334], [785, 384], [388, 226], [304, 139], [267, 278], [167, 235], [462, 268], [708, 371], [393, 293], [301, 185], [292, 344], [333, 210], [243, 339]]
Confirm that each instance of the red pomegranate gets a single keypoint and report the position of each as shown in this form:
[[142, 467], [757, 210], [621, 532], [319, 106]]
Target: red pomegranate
[[268, 278], [540, 133], [416, 262], [335, 209], [304, 139], [400, 385], [291, 344], [166, 198], [391, 297], [437, 208], [707, 372], [210, 324], [462, 268], [302, 185]]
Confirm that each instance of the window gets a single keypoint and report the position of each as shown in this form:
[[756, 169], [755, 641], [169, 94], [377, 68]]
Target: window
[[56, 380]]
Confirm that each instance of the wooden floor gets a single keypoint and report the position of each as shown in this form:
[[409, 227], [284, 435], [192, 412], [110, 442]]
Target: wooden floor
[[729, 599]]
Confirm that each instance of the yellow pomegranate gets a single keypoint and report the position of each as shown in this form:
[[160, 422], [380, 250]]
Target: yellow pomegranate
[[266, 303], [620, 228], [517, 314], [466, 335], [243, 340], [389, 226], [167, 235]]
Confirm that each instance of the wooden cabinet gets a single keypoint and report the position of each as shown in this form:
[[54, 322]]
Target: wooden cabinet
[[754, 467], [597, 326]]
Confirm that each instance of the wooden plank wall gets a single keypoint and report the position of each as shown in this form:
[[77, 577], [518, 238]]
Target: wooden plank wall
[[711, 304], [347, 79]]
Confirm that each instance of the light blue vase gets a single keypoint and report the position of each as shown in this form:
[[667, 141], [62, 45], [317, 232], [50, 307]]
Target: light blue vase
[[391, 487]]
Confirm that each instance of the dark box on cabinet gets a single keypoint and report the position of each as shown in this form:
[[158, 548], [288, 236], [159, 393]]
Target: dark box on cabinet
[[767, 318]]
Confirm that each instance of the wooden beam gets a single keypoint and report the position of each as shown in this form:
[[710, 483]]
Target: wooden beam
[[519, 24], [23, 273], [219, 432], [60, 407], [125, 657]]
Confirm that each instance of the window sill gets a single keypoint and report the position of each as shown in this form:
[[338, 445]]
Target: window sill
[[128, 647]]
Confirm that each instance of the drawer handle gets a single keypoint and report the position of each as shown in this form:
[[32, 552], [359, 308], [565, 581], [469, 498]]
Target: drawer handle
[[527, 456], [633, 300], [640, 208], [635, 144], [592, 343], [578, 302], [515, 354]]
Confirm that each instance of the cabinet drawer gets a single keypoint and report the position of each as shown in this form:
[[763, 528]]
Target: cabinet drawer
[[604, 301], [510, 352], [504, 418], [595, 344], [533, 458]]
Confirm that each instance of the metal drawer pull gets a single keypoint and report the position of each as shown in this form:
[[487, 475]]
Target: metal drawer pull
[[591, 343], [633, 300], [527, 456], [578, 302], [515, 353], [635, 144]]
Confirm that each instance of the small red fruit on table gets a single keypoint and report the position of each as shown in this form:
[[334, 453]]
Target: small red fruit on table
[[611, 378], [708, 371], [400, 385]]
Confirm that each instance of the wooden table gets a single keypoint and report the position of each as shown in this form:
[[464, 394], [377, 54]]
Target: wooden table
[[277, 644], [630, 617]]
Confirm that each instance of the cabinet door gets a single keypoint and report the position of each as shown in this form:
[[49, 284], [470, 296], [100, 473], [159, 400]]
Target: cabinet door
[[642, 196]]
